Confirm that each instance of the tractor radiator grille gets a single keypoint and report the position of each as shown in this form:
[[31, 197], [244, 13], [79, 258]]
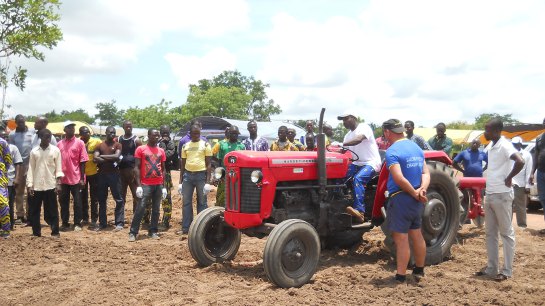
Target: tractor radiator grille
[[250, 194]]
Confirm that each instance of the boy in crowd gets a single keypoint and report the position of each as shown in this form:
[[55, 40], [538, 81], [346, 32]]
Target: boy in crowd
[[44, 183], [291, 137], [91, 178], [150, 175], [283, 143], [194, 174]]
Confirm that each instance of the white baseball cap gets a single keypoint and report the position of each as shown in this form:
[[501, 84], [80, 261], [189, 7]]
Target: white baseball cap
[[516, 139]]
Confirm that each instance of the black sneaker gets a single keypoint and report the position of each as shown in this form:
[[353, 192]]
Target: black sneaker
[[417, 276], [99, 228], [65, 227]]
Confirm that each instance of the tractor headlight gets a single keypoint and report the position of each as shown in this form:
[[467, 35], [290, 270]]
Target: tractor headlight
[[219, 173], [256, 176]]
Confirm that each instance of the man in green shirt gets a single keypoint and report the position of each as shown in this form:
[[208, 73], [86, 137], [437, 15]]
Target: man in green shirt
[[440, 142], [233, 144]]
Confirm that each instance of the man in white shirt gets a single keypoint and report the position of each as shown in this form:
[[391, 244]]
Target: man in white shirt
[[498, 209], [521, 185], [361, 141], [43, 183]]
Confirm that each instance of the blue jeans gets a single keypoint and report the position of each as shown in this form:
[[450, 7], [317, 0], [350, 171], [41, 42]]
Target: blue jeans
[[110, 180], [362, 175], [154, 194], [540, 179], [191, 181]]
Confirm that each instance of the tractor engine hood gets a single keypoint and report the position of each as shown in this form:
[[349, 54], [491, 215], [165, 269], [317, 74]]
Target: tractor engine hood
[[292, 163]]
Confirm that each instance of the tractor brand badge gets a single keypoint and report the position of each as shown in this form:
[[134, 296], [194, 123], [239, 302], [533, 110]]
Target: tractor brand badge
[[232, 159], [297, 170], [292, 161]]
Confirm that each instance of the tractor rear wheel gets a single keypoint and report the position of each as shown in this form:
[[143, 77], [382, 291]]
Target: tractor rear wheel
[[291, 253], [441, 217], [210, 239]]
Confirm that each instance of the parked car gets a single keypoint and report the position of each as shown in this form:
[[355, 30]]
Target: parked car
[[533, 199]]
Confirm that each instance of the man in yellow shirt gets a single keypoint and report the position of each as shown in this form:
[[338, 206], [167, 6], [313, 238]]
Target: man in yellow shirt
[[194, 174], [283, 143], [91, 170], [291, 137]]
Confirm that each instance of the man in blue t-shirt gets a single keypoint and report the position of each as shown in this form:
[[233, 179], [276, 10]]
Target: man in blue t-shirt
[[472, 160], [407, 184]]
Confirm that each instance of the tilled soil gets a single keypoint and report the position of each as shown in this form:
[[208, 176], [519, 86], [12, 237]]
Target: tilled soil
[[104, 268]]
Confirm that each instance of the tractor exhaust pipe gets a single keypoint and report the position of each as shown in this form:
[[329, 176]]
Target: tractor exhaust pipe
[[320, 140]]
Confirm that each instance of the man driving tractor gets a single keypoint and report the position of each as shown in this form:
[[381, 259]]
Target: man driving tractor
[[360, 140]]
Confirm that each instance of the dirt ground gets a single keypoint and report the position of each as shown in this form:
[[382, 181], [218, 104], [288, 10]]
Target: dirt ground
[[104, 268]]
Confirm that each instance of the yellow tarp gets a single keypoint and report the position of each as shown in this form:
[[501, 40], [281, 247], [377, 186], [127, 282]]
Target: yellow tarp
[[57, 128], [526, 135], [457, 136]]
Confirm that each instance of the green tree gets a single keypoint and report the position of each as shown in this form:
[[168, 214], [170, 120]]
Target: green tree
[[216, 101], [460, 125], [482, 119], [154, 116], [108, 114], [230, 95], [77, 115], [26, 28]]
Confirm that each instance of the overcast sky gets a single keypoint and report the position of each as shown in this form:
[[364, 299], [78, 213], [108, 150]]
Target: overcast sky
[[426, 61]]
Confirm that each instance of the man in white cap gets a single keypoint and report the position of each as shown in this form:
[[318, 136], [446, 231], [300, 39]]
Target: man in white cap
[[521, 183], [361, 141], [74, 156]]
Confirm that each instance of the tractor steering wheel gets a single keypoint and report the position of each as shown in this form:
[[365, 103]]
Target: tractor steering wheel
[[342, 149]]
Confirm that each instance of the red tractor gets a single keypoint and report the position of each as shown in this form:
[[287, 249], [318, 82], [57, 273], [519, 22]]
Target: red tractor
[[299, 199]]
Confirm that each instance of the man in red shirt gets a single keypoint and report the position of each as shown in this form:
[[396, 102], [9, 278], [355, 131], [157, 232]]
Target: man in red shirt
[[74, 156], [150, 176]]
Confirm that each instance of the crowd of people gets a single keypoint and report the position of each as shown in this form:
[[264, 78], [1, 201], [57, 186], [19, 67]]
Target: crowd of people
[[81, 170]]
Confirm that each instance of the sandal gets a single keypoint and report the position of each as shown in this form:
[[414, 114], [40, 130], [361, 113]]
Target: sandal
[[501, 277]]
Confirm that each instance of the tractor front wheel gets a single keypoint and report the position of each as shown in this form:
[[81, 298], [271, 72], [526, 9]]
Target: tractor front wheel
[[291, 253], [210, 239]]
